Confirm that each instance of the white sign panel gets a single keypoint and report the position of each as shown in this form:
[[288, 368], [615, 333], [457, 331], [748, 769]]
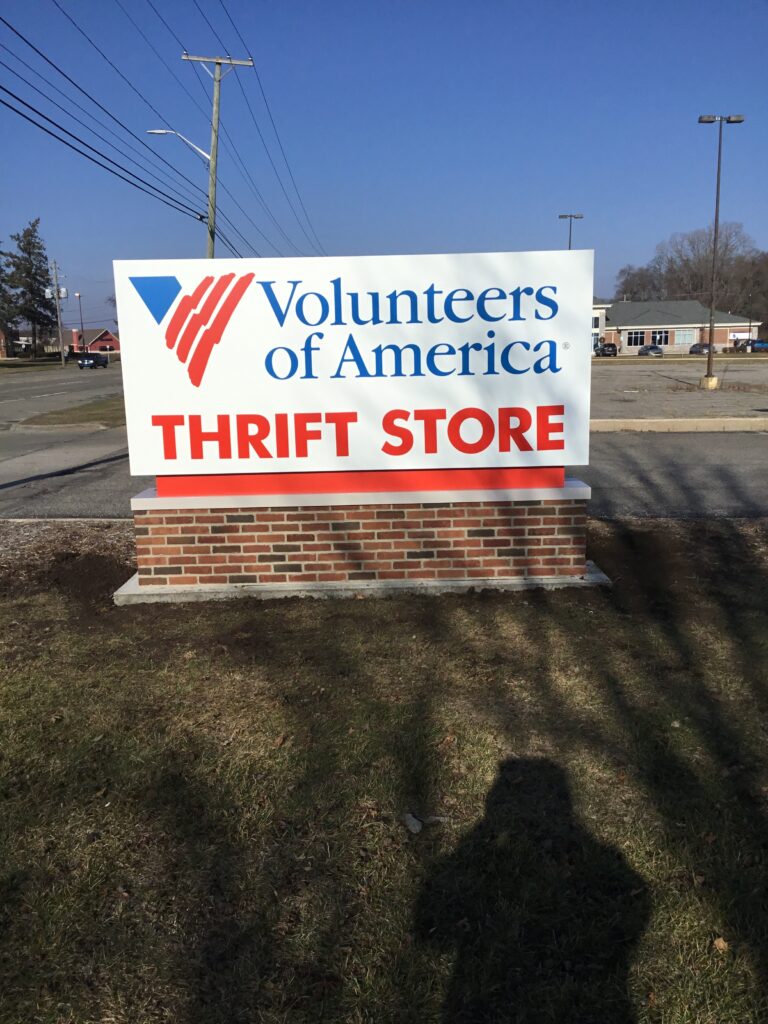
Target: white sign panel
[[356, 363]]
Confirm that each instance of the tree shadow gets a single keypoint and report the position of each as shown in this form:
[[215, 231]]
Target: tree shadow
[[543, 918]]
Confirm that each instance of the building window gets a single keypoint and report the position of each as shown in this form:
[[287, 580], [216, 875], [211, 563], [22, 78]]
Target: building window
[[595, 323], [685, 337], [595, 339], [635, 338], [659, 337]]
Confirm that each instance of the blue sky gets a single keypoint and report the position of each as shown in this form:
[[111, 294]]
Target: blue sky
[[410, 125]]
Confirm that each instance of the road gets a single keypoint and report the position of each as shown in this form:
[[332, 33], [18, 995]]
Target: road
[[24, 393], [70, 474]]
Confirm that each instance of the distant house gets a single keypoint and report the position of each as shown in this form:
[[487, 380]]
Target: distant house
[[95, 340], [674, 325]]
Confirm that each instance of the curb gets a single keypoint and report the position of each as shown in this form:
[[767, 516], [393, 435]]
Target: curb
[[51, 428], [712, 425]]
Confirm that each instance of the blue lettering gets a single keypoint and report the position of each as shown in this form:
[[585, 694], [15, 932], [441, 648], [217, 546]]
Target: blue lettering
[[324, 309], [293, 363], [485, 297], [351, 354], [506, 354], [549, 360], [441, 349], [397, 360], [546, 301], [456, 296], [277, 309], [516, 297]]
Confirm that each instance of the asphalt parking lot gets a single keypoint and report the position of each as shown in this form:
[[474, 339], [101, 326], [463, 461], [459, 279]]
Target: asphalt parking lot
[[84, 473], [652, 388]]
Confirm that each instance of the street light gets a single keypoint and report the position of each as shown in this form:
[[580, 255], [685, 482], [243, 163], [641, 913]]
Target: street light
[[709, 381], [79, 298], [570, 217], [211, 182], [168, 131]]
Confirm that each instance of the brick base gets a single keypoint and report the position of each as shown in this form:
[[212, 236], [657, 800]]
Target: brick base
[[372, 543]]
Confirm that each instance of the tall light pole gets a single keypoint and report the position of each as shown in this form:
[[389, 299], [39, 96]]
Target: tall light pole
[[79, 298], [709, 381], [570, 217]]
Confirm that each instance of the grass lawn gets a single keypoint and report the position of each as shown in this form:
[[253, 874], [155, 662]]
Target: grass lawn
[[29, 364], [110, 412], [201, 807]]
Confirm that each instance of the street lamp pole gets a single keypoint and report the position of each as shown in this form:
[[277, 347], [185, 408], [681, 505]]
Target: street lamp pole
[[709, 382], [570, 217], [213, 159], [79, 298]]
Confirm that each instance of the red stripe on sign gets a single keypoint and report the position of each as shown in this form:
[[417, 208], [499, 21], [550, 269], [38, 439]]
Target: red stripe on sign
[[200, 318], [182, 311], [212, 335], [353, 482]]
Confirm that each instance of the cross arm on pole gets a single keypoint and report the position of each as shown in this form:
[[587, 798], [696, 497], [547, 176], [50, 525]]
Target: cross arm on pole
[[219, 60]]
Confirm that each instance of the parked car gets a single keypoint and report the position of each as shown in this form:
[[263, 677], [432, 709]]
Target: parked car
[[92, 361], [650, 350], [606, 349], [701, 348], [760, 345]]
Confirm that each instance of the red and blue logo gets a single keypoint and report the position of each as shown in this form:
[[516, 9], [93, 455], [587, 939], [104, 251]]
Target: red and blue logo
[[195, 322]]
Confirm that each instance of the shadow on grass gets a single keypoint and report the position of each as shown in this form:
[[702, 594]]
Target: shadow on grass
[[253, 864], [537, 913]]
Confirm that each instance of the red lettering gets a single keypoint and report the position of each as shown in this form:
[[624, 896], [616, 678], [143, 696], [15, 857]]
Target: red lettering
[[429, 418], [301, 421], [393, 429], [487, 428], [341, 422], [168, 425], [282, 443], [248, 438], [545, 428], [509, 433], [198, 437]]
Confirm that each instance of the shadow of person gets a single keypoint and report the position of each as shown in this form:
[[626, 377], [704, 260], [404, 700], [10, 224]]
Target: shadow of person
[[543, 918]]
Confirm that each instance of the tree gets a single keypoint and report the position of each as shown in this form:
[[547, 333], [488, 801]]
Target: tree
[[682, 269], [6, 299], [28, 278]]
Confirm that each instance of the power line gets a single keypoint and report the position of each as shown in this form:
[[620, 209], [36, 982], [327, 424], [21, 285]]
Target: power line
[[274, 126], [205, 18], [92, 149], [126, 153], [82, 142], [165, 64], [138, 92], [231, 147], [111, 63], [101, 107], [97, 162]]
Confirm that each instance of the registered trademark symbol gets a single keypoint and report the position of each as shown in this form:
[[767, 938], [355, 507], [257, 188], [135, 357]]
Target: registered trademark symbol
[[566, 344]]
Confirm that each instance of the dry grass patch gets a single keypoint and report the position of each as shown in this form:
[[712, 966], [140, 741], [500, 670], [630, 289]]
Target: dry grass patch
[[108, 412], [201, 806]]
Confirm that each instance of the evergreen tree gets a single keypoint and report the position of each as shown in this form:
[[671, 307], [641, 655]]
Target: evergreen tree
[[28, 277], [6, 299]]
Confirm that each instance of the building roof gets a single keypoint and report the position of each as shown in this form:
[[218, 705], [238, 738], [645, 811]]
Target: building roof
[[666, 314], [90, 334]]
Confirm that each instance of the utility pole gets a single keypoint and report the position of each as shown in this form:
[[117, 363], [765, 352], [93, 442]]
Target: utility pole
[[58, 309], [217, 76]]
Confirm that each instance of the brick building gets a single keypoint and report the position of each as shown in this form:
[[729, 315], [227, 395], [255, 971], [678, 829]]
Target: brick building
[[95, 340]]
